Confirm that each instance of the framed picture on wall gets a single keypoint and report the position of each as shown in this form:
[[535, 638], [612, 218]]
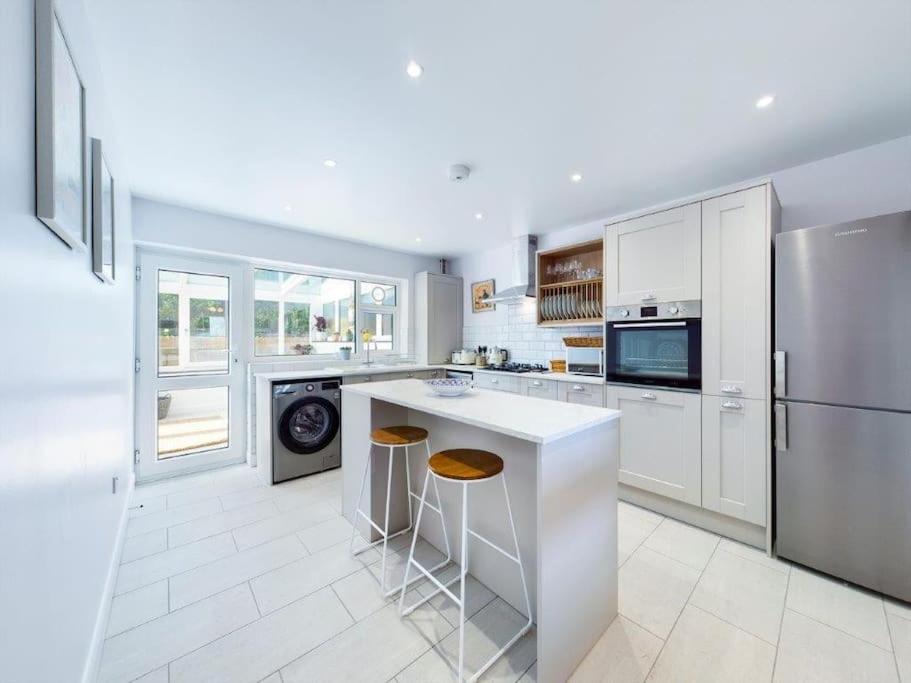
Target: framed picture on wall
[[102, 215], [61, 163], [480, 293]]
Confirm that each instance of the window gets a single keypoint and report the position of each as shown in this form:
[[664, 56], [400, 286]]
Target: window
[[192, 323], [300, 314]]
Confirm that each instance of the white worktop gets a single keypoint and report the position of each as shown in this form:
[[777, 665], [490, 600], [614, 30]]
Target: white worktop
[[524, 417], [343, 370], [557, 376]]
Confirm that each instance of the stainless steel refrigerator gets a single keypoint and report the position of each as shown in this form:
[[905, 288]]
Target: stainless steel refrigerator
[[843, 400]]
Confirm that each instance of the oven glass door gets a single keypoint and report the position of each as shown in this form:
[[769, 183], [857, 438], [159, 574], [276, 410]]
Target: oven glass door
[[661, 353]]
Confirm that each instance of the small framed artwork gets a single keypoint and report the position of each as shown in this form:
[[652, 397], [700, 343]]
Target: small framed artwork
[[480, 293], [102, 215], [61, 163]]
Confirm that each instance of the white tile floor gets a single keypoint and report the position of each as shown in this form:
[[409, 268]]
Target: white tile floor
[[223, 579]]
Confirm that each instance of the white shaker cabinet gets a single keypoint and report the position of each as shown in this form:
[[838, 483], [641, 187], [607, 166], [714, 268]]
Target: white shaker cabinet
[[541, 388], [734, 433], [654, 258], [581, 393], [660, 444], [736, 294], [498, 382], [438, 317]]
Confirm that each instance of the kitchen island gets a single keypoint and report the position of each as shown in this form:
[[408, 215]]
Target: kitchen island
[[561, 470]]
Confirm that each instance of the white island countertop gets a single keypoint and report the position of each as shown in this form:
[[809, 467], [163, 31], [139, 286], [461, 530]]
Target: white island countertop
[[525, 417]]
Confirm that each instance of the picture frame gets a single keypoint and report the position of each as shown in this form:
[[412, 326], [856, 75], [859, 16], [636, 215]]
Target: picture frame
[[61, 162], [103, 222], [480, 292]]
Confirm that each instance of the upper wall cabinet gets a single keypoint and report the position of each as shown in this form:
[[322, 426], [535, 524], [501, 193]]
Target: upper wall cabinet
[[736, 296], [654, 258], [570, 285]]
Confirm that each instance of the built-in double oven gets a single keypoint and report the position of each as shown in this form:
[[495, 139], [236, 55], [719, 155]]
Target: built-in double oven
[[655, 345]]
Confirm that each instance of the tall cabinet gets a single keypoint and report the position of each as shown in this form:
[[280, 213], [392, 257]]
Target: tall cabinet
[[737, 234], [437, 317], [711, 450]]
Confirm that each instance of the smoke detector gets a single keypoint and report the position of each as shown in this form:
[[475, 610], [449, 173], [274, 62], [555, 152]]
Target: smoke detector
[[459, 173]]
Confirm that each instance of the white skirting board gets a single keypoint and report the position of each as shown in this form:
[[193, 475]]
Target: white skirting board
[[93, 661], [706, 519]]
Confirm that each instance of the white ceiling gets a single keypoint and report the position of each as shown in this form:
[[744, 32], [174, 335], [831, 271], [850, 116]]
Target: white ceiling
[[232, 105]]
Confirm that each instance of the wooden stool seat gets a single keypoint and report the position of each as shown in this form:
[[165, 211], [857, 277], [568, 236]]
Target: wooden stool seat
[[465, 464], [398, 435]]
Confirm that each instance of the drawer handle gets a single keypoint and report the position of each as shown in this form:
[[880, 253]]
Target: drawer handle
[[578, 387], [732, 405], [649, 396], [494, 381], [536, 383], [411, 374], [731, 389]]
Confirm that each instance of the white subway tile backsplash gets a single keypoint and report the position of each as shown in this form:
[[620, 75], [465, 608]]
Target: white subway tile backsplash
[[526, 342]]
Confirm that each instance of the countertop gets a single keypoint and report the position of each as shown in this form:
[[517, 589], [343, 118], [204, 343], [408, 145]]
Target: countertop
[[344, 370], [354, 370], [539, 420], [557, 376]]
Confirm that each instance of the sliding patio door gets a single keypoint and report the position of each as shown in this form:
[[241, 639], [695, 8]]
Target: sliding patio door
[[190, 383]]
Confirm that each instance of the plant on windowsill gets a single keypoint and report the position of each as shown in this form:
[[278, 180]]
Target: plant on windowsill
[[344, 353], [318, 331], [303, 349]]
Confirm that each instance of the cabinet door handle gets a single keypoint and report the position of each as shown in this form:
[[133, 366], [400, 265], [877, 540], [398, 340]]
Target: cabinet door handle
[[731, 389], [649, 297], [494, 381], [411, 374], [732, 405], [369, 379], [536, 383], [649, 396]]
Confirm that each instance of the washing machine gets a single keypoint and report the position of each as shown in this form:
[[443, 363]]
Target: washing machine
[[306, 427]]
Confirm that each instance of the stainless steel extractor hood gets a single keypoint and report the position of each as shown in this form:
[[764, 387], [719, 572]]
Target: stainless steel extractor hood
[[523, 282]]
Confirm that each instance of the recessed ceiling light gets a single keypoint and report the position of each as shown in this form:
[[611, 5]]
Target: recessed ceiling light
[[576, 177], [287, 207], [765, 101], [329, 163], [414, 69], [417, 239], [479, 216]]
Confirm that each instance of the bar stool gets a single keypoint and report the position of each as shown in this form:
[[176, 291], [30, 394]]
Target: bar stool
[[465, 466], [399, 436]]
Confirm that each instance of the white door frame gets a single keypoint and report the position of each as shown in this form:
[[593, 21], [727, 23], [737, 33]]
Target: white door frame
[[149, 383]]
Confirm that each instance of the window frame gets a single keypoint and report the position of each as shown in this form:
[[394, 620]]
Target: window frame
[[357, 279]]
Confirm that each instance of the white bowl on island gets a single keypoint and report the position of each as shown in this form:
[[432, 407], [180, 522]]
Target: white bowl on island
[[450, 386]]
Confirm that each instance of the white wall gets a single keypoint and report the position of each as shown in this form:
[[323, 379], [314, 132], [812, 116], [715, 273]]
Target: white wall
[[170, 225], [66, 417], [864, 182]]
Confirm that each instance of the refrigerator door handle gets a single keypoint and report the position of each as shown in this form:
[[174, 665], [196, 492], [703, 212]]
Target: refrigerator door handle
[[781, 374], [781, 427]]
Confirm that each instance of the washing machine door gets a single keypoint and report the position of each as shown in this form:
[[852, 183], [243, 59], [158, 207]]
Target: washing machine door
[[308, 425]]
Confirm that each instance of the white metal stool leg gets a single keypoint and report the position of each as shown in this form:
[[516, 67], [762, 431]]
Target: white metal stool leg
[[463, 570], [414, 538], [385, 536]]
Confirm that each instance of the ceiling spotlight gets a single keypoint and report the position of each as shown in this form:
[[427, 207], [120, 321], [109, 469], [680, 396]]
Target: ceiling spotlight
[[765, 101], [479, 216], [576, 177], [288, 208], [414, 69], [329, 163], [417, 239]]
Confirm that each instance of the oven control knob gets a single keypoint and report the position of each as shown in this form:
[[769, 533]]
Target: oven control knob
[[623, 313], [673, 310]]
